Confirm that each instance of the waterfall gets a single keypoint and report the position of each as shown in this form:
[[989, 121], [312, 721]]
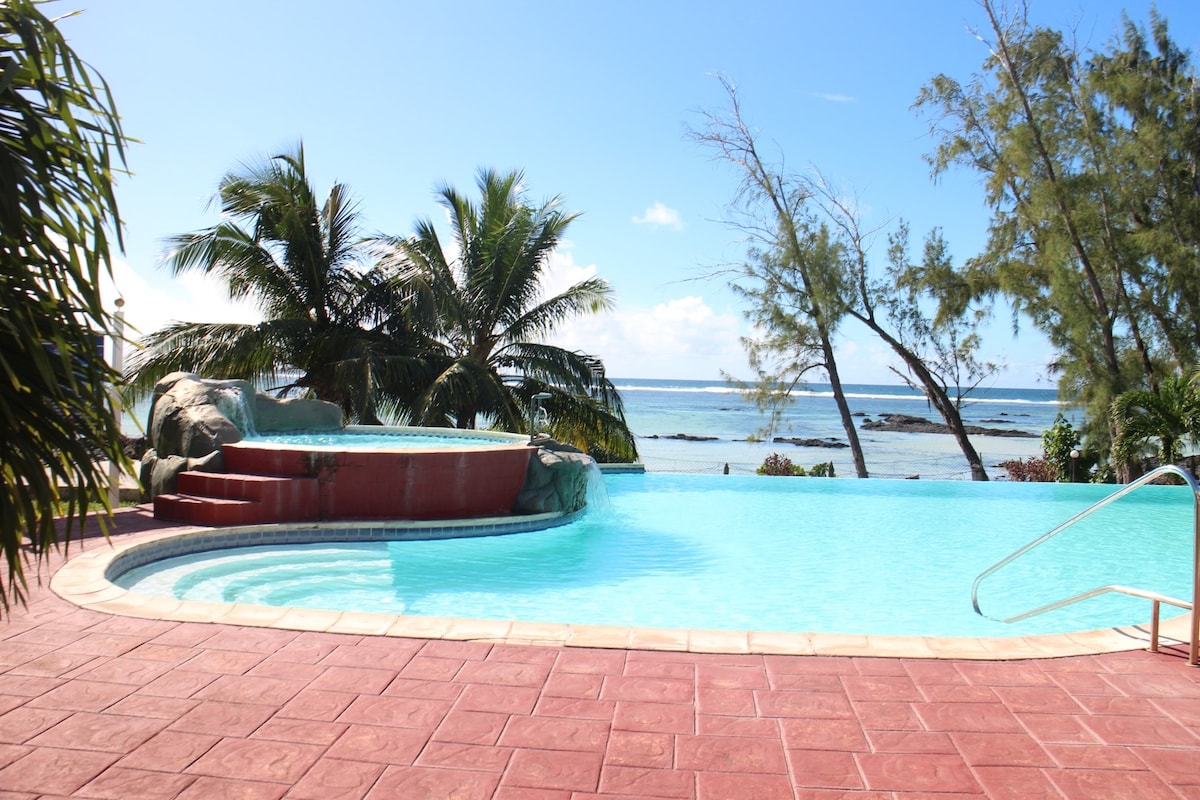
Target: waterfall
[[598, 503], [232, 402]]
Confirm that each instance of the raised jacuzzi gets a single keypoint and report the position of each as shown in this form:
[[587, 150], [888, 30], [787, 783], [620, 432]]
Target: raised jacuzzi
[[360, 472]]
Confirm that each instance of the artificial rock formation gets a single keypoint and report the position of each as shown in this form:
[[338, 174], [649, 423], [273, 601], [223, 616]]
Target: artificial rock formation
[[556, 480], [191, 417]]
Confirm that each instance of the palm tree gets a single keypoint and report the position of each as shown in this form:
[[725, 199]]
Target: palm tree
[[61, 142], [1170, 415], [493, 320], [331, 326]]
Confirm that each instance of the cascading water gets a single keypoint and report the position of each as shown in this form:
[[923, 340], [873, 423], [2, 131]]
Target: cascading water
[[598, 503], [233, 403]]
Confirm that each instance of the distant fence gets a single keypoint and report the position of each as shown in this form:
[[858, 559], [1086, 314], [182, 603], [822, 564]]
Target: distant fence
[[929, 468]]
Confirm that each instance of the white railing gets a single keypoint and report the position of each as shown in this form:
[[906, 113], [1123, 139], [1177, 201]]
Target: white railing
[[1155, 598]]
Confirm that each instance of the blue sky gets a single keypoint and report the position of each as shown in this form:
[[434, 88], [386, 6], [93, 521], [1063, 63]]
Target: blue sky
[[591, 100]]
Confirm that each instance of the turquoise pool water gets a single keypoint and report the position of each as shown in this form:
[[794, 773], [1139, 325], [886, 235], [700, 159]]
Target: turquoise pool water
[[746, 553], [352, 440]]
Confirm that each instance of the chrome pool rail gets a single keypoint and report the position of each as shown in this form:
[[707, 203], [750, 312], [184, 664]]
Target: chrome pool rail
[[1155, 598]]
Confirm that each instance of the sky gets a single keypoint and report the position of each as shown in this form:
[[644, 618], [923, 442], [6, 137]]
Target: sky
[[593, 103]]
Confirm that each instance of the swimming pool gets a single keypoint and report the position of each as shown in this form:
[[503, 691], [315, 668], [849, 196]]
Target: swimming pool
[[746, 553]]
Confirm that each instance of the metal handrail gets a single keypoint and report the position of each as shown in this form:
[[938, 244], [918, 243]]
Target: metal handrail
[[1149, 477]]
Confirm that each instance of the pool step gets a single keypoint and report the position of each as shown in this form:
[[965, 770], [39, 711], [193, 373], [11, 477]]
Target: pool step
[[270, 461], [207, 498], [210, 511]]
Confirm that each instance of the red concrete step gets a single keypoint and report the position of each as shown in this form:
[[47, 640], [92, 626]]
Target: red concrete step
[[242, 486], [208, 498], [210, 511], [271, 461]]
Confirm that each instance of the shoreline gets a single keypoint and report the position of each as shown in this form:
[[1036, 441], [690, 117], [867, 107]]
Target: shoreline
[[933, 456]]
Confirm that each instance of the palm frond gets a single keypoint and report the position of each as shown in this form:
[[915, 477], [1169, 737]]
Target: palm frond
[[61, 143], [1169, 415], [221, 350], [590, 296], [585, 422]]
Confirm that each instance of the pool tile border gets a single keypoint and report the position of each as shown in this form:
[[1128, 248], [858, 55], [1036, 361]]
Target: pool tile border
[[86, 580]]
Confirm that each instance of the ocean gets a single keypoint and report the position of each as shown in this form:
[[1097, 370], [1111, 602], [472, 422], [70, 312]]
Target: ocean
[[718, 413]]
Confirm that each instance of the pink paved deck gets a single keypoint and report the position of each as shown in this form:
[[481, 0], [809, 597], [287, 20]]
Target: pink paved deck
[[100, 706]]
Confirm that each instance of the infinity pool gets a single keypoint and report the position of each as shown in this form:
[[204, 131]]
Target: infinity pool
[[745, 553]]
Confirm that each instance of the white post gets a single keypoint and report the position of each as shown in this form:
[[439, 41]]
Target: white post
[[118, 364]]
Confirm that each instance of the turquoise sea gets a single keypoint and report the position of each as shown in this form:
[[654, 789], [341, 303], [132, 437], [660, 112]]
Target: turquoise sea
[[717, 412]]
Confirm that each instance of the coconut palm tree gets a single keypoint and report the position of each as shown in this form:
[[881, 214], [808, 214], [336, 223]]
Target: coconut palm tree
[[332, 327], [494, 320], [1169, 416]]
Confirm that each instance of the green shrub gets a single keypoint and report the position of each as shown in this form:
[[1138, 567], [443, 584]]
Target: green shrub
[[823, 470], [1030, 470], [1057, 444], [776, 464]]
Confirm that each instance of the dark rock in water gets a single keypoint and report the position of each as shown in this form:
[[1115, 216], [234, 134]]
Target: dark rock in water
[[810, 442], [993, 421], [903, 423], [859, 414], [684, 437]]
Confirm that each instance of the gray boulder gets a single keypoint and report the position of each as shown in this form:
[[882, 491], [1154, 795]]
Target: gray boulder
[[192, 417], [186, 418], [161, 475], [555, 481], [272, 415]]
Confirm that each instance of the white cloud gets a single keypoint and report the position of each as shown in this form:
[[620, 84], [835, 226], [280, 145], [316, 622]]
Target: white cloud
[[836, 98], [660, 216], [680, 338], [192, 297], [864, 361], [562, 272]]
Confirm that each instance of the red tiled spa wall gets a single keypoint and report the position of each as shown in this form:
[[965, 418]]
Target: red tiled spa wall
[[437, 484]]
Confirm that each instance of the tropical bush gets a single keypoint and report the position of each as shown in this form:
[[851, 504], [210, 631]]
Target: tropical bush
[[1058, 442], [780, 465], [1163, 419], [1030, 470]]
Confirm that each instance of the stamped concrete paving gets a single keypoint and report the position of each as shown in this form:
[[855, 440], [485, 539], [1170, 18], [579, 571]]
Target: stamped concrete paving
[[100, 706]]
